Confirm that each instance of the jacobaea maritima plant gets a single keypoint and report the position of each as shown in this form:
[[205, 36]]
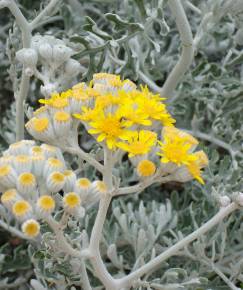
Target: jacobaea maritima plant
[[127, 122], [103, 181]]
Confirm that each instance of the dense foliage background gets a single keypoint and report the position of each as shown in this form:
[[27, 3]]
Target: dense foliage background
[[139, 40]]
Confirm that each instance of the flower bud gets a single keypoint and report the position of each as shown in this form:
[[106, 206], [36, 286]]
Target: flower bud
[[27, 56], [239, 198], [72, 67], [61, 53], [46, 51], [224, 201], [48, 89]]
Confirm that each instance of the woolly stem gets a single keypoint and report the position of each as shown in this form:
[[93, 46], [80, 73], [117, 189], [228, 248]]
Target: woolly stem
[[96, 234], [187, 48]]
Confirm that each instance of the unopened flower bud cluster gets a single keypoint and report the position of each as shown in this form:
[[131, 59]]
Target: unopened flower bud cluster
[[54, 59], [33, 177]]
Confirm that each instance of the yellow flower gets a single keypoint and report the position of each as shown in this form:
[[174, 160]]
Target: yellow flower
[[87, 114], [146, 168], [155, 110], [195, 166], [173, 131], [139, 143], [133, 116], [175, 149], [110, 128]]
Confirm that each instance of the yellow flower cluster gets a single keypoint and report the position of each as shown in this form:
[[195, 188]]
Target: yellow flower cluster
[[121, 116], [112, 110], [177, 148]]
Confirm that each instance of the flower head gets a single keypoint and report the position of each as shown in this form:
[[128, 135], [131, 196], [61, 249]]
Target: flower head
[[31, 228], [46, 203], [71, 200], [146, 168], [109, 127], [177, 148], [139, 143], [21, 208]]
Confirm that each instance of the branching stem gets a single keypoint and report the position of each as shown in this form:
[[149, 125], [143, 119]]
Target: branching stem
[[26, 30], [151, 265]]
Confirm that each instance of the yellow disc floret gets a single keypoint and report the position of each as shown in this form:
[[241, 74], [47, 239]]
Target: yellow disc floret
[[5, 170], [57, 177], [71, 200], [46, 203], [83, 182], [146, 168], [40, 124], [31, 228], [21, 208], [27, 179], [61, 116]]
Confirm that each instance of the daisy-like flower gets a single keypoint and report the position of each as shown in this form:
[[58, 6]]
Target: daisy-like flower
[[109, 128], [146, 168], [195, 167], [31, 228], [134, 116], [140, 143], [55, 181], [58, 102], [26, 183], [155, 110], [46, 204], [21, 209], [87, 114], [71, 201], [177, 150]]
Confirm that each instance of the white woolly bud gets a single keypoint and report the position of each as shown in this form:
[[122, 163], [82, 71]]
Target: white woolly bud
[[61, 53], [46, 51], [239, 36], [48, 89], [72, 67], [27, 56], [224, 201], [29, 71], [3, 4], [239, 198]]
